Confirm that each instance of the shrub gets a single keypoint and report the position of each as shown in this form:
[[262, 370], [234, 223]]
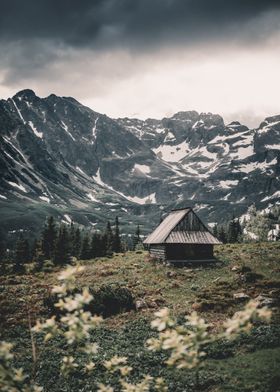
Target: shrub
[[107, 301], [48, 266]]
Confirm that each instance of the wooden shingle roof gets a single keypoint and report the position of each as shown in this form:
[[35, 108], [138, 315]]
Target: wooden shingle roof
[[159, 235], [165, 232]]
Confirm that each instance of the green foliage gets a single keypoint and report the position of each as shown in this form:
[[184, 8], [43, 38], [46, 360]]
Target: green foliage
[[22, 254], [85, 250], [107, 301], [61, 253], [109, 239], [259, 223], [137, 238], [249, 363], [77, 243], [110, 300], [49, 236], [117, 246]]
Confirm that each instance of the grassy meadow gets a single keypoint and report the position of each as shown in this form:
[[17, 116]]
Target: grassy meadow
[[251, 363]]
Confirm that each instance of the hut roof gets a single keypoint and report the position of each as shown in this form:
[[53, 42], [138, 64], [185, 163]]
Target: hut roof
[[165, 233]]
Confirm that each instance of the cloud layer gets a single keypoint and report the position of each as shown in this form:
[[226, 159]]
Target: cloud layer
[[197, 54]]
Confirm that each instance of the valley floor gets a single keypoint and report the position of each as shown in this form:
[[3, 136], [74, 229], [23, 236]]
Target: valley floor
[[249, 364]]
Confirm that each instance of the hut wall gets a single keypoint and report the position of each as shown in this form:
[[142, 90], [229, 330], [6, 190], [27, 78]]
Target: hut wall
[[158, 251], [189, 252]]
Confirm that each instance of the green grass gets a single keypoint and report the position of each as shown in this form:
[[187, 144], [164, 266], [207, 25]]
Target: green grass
[[249, 364]]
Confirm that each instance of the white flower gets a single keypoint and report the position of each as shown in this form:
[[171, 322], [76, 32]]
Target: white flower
[[91, 349], [5, 351], [114, 362], [163, 320], [104, 388], [125, 370], [90, 366], [69, 272]]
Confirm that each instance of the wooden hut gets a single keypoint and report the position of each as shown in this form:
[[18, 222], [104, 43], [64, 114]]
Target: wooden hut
[[182, 237]]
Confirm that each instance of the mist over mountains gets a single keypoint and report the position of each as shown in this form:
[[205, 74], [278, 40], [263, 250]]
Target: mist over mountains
[[59, 157]]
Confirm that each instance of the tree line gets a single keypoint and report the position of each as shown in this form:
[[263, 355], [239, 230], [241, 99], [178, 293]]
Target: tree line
[[59, 243], [254, 226], [230, 232]]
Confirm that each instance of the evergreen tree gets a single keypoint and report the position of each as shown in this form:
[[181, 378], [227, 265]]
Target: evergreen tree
[[62, 247], [215, 230], [85, 250], [232, 232], [77, 243], [102, 248], [33, 249], [94, 246], [38, 256], [72, 238], [109, 239], [222, 234], [136, 237], [21, 254], [3, 264], [239, 230], [117, 239], [49, 237]]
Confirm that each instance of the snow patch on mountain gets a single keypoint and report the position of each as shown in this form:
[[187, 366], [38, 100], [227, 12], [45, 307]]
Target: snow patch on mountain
[[45, 198], [18, 111], [249, 167], [66, 129], [80, 170], [67, 218], [32, 126], [169, 137], [274, 196], [268, 126], [91, 197], [272, 146], [150, 199], [172, 153], [227, 184], [19, 186], [142, 168]]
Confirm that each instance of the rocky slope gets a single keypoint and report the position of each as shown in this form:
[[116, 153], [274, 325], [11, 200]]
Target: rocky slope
[[60, 157]]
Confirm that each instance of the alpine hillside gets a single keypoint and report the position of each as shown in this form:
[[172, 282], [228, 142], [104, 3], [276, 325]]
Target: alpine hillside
[[59, 157]]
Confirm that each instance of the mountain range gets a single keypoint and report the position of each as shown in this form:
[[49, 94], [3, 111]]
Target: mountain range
[[62, 158]]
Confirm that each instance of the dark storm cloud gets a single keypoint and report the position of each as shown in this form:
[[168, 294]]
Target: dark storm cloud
[[106, 23]]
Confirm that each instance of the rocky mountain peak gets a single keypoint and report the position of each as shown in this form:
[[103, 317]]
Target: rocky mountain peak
[[65, 159], [25, 94]]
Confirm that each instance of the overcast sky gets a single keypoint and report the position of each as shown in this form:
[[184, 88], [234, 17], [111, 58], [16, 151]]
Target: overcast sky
[[146, 58]]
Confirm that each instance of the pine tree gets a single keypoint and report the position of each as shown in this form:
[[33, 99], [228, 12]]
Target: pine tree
[[117, 239], [38, 256], [239, 230], [94, 246], [215, 230], [102, 248], [232, 231], [222, 234], [109, 239], [85, 250], [49, 236], [21, 254], [72, 238], [3, 255], [62, 247], [33, 249], [136, 237], [77, 243]]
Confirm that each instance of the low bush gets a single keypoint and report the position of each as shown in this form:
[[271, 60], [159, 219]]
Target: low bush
[[107, 301]]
